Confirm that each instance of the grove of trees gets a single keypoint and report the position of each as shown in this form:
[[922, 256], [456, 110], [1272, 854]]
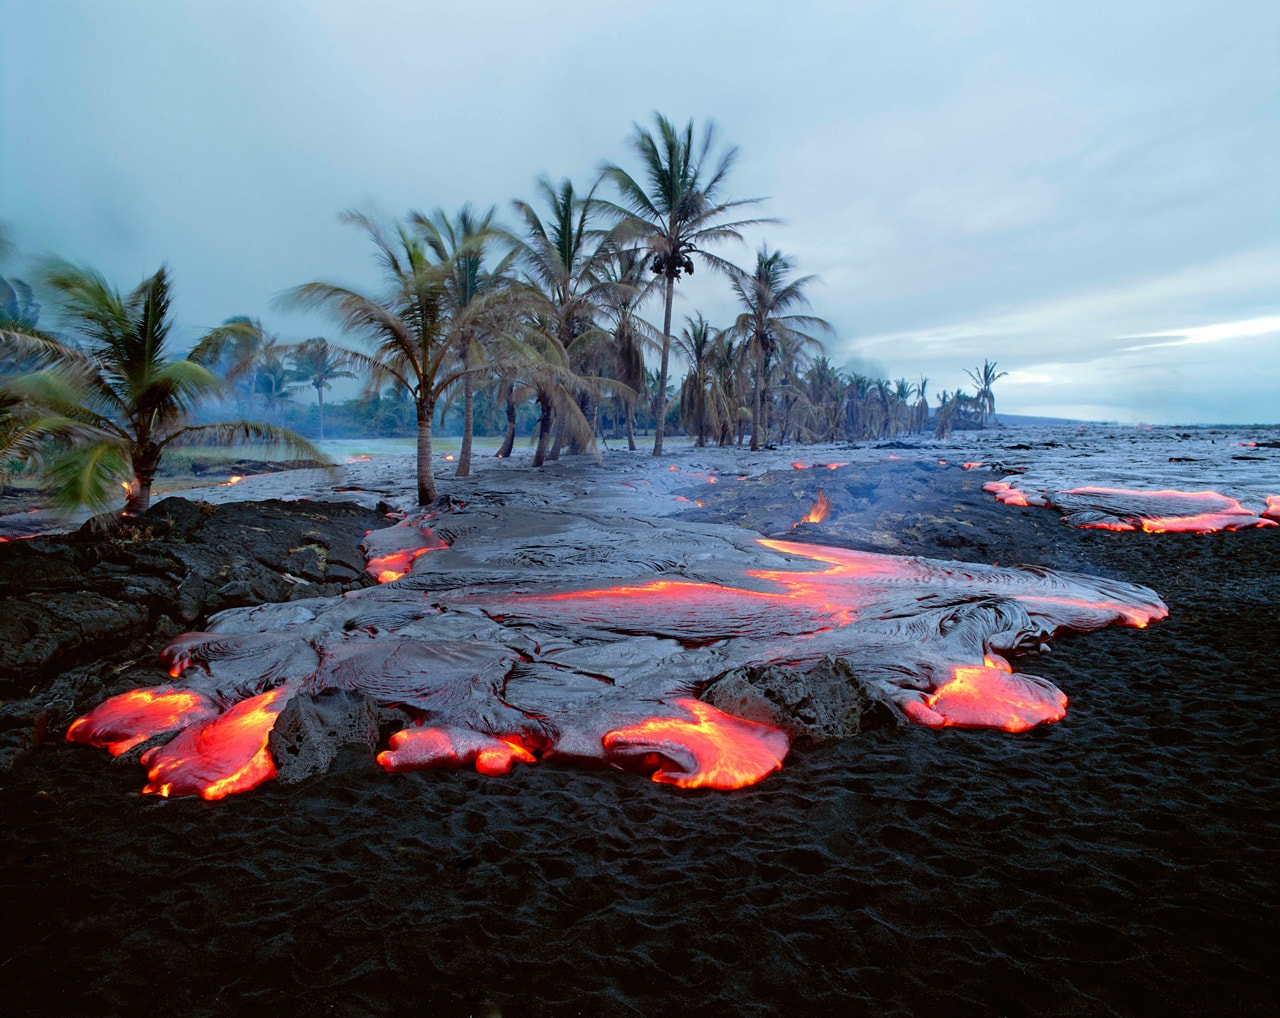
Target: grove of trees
[[539, 326]]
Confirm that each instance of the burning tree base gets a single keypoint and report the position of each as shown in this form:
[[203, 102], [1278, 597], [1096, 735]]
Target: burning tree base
[[519, 635]]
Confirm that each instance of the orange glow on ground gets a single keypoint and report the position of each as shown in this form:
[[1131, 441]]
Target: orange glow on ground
[[984, 696], [972, 466], [424, 747], [234, 479], [124, 721], [448, 456], [221, 756], [361, 458], [394, 565], [1006, 493], [714, 750], [1273, 507]]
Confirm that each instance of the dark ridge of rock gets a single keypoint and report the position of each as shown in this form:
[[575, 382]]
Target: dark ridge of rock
[[312, 729], [243, 467], [812, 702], [101, 598]]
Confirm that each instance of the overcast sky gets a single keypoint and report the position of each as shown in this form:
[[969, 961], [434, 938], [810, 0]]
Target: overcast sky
[[1086, 193]]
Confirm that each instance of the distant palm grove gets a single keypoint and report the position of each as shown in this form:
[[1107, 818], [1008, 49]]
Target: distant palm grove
[[556, 325]]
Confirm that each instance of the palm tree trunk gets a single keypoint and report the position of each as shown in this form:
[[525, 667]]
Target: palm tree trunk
[[468, 419], [544, 432], [145, 460], [558, 442], [629, 418], [426, 481], [320, 404], [660, 403], [509, 440], [756, 398]]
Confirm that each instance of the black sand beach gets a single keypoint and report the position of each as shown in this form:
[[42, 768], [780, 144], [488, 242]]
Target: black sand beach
[[1119, 862]]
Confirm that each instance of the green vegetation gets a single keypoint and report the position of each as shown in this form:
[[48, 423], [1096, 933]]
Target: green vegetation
[[109, 403], [477, 329]]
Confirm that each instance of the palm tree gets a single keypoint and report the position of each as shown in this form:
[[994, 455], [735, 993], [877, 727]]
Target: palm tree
[[113, 407], [407, 327], [316, 362], [473, 297], [565, 261], [983, 379], [677, 215], [24, 348], [630, 335], [697, 346], [768, 298], [729, 386], [824, 391], [920, 412]]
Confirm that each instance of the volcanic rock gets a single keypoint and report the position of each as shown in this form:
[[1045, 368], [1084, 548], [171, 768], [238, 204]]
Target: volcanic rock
[[815, 704], [87, 603], [311, 729]]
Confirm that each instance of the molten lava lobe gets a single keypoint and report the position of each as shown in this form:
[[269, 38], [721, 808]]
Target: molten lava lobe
[[424, 747], [710, 750], [984, 696], [390, 553], [1273, 507], [388, 568], [1156, 512], [124, 721], [1010, 495], [220, 756]]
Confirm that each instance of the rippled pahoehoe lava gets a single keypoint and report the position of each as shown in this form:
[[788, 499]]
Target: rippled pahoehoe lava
[[552, 635], [1156, 512]]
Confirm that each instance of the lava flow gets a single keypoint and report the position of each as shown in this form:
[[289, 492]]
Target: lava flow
[[506, 647], [220, 755], [124, 721], [1156, 512], [714, 750]]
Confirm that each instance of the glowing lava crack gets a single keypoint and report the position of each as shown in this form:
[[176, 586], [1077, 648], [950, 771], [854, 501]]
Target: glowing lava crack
[[540, 634]]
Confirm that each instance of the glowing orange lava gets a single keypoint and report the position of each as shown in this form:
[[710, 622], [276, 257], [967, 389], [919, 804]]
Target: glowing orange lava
[[1006, 493], [423, 747], [218, 757], [1156, 512], [124, 721], [819, 510], [234, 479], [972, 465], [394, 565], [713, 750], [989, 696], [360, 458], [1273, 507]]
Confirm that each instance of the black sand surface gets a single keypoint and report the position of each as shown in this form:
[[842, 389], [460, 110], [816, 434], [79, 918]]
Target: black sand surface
[[1120, 862]]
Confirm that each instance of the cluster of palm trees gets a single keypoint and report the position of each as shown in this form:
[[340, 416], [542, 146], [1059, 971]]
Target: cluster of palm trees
[[548, 313]]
